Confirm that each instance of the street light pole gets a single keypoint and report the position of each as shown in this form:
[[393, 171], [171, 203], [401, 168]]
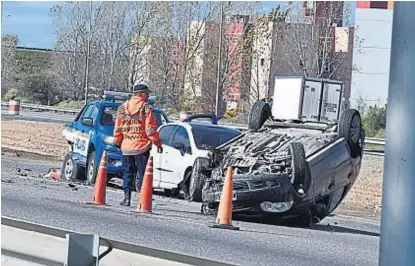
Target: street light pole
[[87, 53], [219, 60], [397, 238]]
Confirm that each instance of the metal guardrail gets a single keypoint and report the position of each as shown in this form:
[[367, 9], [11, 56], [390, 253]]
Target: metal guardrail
[[374, 141], [44, 108], [141, 250]]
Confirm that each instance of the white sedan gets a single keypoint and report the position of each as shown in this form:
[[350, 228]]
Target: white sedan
[[185, 149]]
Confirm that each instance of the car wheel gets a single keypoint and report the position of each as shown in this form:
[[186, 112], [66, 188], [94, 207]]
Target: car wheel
[[350, 127], [185, 187], [70, 170], [92, 169], [298, 163], [197, 180], [260, 112]]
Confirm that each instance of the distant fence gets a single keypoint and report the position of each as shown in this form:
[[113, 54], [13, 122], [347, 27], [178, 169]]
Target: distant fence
[[36, 107]]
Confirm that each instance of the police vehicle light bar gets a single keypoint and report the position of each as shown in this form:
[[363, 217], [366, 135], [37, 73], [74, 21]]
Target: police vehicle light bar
[[116, 95], [123, 96]]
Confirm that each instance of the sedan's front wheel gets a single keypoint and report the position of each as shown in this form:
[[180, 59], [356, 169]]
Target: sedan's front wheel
[[197, 180]]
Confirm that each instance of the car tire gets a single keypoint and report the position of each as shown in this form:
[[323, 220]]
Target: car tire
[[298, 163], [260, 112], [70, 170], [198, 178], [350, 127], [91, 169], [186, 185]]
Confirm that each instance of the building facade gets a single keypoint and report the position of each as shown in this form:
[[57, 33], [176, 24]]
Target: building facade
[[371, 57], [315, 46], [234, 71]]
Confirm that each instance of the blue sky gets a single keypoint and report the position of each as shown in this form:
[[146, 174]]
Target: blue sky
[[32, 22]]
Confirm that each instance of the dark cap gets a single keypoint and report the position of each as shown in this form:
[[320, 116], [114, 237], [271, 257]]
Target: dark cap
[[140, 87]]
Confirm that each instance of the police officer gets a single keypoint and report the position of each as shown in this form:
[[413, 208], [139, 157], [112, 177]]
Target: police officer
[[135, 132]]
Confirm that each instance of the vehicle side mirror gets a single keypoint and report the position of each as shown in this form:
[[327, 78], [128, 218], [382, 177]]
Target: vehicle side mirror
[[180, 147], [87, 121]]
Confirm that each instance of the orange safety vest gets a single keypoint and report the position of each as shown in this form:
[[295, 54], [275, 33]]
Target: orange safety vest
[[135, 127]]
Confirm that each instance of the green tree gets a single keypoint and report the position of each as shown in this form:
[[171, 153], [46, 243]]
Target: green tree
[[8, 62], [375, 121]]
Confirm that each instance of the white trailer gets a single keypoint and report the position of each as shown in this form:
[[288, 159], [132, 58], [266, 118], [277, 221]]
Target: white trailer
[[307, 99]]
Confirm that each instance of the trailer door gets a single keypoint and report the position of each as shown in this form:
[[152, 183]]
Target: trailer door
[[311, 100], [332, 95]]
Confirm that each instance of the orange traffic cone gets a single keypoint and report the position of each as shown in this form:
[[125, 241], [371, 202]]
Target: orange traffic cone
[[146, 193], [224, 217], [100, 187]]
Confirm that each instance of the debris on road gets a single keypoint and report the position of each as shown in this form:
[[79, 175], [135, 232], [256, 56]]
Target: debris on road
[[21, 174], [53, 174], [7, 181], [74, 188]]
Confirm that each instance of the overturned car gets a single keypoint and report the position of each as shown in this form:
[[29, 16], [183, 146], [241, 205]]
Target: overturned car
[[289, 168]]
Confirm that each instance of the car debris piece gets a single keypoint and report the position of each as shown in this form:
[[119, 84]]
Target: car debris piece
[[7, 181], [53, 174], [74, 188]]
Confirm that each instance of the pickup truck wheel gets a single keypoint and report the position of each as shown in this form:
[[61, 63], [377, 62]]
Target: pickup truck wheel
[[197, 180], [298, 163], [92, 169], [350, 127], [260, 112], [70, 170]]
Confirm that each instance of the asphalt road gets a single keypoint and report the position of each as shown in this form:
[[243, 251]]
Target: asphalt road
[[38, 116], [178, 226]]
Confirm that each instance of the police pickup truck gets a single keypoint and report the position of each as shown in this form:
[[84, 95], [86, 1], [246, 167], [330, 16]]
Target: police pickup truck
[[91, 133]]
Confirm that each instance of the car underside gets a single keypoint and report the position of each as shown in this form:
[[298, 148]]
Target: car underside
[[283, 169]]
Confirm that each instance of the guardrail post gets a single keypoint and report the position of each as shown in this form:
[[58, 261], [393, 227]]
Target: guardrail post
[[82, 249], [397, 237]]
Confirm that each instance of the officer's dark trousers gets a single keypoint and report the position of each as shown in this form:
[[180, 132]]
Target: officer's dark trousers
[[132, 165]]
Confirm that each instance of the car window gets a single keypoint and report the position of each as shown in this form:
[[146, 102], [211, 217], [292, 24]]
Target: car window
[[181, 137], [88, 111], [94, 114], [160, 118], [166, 134], [207, 138], [109, 115]]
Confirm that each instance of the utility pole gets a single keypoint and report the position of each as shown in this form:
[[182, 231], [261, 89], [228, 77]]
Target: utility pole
[[219, 60], [87, 53], [397, 237]]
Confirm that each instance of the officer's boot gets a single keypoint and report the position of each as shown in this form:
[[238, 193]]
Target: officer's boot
[[127, 198]]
